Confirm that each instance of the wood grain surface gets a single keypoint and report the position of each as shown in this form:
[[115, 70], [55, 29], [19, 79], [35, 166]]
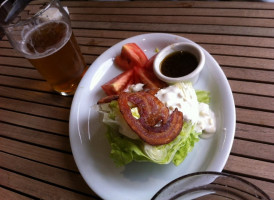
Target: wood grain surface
[[36, 159]]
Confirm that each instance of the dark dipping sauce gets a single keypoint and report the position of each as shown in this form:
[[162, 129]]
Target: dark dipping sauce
[[178, 63]]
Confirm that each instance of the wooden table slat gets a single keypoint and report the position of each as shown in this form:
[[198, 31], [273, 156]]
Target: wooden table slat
[[38, 189], [52, 175], [111, 37], [200, 38], [38, 154], [255, 133], [35, 122], [36, 158], [248, 166], [35, 109], [255, 117], [245, 62], [249, 74], [261, 152], [235, 21], [226, 45], [252, 88], [30, 73], [170, 28], [44, 139], [15, 61], [8, 194], [165, 4], [35, 96], [220, 12], [25, 83], [255, 102]]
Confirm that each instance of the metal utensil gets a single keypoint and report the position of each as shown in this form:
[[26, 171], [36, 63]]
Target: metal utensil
[[17, 7], [9, 9]]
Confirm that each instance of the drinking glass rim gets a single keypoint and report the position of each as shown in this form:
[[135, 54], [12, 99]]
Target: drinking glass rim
[[222, 174], [22, 22]]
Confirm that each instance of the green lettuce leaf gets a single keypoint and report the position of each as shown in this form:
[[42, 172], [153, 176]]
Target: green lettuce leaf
[[203, 96], [186, 147], [125, 150]]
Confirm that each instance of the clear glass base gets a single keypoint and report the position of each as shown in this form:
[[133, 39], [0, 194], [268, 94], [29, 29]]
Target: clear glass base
[[210, 186]]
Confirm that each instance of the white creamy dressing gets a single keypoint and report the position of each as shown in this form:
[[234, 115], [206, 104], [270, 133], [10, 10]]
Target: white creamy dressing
[[185, 100], [135, 87], [207, 121], [183, 97]]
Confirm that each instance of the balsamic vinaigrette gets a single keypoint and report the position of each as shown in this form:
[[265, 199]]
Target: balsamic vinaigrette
[[178, 63]]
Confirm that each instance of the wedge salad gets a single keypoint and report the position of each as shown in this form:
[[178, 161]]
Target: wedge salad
[[149, 120]]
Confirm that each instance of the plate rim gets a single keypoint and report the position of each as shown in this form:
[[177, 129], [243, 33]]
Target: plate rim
[[78, 92]]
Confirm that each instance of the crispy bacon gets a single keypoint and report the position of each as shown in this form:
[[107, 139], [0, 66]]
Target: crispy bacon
[[152, 91], [155, 126], [108, 99]]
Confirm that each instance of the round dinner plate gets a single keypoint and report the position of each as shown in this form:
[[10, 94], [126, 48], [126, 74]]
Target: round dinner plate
[[141, 180]]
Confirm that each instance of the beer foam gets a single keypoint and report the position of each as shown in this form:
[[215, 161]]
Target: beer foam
[[51, 14], [35, 54]]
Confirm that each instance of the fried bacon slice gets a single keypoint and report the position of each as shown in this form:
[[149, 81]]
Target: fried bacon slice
[[155, 126], [108, 99]]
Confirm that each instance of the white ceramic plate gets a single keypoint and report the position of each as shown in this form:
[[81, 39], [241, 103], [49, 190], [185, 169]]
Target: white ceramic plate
[[142, 180]]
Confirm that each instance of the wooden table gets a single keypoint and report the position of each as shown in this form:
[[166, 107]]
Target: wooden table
[[36, 160]]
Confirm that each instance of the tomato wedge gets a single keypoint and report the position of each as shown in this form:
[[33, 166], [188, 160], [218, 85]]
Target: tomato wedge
[[131, 56], [137, 69], [119, 83], [149, 64], [151, 81]]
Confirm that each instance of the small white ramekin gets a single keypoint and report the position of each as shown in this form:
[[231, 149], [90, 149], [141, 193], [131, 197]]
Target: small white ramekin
[[181, 46]]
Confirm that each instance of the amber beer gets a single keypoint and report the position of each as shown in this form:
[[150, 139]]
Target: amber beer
[[52, 48]]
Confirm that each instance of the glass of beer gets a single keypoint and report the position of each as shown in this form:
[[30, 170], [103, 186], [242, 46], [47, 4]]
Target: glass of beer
[[43, 35]]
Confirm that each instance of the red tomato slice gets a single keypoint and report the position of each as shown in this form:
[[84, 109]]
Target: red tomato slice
[[138, 69], [119, 83], [122, 63], [131, 55], [149, 64], [148, 78]]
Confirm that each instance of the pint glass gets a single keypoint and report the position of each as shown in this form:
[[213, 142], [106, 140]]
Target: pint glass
[[47, 41]]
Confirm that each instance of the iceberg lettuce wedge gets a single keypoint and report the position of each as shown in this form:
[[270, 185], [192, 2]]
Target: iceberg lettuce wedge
[[126, 149]]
